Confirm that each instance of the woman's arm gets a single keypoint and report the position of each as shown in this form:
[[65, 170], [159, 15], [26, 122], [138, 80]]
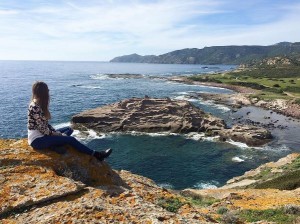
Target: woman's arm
[[54, 132]]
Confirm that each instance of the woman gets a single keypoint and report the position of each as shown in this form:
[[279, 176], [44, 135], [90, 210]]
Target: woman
[[42, 135]]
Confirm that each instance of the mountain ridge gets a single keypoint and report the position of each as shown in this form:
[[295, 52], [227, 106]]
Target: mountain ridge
[[231, 54]]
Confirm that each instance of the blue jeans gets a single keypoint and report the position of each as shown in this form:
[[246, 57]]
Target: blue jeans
[[49, 141]]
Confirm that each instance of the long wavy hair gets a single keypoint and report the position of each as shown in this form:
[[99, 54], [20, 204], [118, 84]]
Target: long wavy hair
[[40, 93]]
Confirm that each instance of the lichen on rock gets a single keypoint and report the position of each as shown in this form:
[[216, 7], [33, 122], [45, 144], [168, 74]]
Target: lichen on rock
[[46, 187]]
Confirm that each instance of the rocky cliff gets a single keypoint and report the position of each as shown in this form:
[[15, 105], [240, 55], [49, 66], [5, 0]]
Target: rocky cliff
[[164, 115], [45, 187], [270, 192]]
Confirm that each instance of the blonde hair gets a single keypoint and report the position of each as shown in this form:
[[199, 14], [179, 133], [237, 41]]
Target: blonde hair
[[40, 93]]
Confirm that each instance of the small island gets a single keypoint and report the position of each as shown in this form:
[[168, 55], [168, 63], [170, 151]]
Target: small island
[[165, 115]]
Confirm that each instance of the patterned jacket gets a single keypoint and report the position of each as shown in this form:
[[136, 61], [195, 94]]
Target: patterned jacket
[[37, 120]]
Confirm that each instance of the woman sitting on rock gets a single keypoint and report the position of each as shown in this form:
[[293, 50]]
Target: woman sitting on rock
[[42, 135]]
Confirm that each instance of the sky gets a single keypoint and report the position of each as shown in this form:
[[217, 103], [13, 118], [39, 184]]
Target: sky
[[99, 30]]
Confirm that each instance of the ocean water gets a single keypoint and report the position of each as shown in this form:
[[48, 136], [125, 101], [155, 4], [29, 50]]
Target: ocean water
[[174, 161]]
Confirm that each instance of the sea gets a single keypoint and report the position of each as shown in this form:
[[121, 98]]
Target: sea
[[171, 160]]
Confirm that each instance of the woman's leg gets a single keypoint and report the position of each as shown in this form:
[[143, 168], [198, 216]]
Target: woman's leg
[[49, 141]]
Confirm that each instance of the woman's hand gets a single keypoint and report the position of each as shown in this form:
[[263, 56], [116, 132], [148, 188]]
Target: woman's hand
[[56, 133]]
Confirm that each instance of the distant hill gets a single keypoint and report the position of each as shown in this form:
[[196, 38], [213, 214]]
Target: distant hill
[[216, 54]]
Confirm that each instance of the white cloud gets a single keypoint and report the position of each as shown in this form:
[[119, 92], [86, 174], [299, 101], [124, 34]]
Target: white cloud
[[104, 29], [8, 12]]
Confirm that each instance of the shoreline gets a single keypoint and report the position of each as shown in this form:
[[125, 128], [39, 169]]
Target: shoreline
[[241, 97]]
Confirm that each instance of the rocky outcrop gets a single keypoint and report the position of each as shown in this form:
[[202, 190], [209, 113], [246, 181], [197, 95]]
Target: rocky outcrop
[[252, 135], [271, 174], [148, 115], [46, 187], [164, 115], [272, 187], [282, 106]]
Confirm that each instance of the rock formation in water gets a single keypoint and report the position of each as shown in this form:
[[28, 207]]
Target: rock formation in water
[[164, 115], [252, 135]]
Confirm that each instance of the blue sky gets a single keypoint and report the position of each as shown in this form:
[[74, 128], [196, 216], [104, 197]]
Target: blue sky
[[99, 30]]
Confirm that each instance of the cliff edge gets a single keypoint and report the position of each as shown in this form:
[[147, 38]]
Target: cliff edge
[[45, 187]]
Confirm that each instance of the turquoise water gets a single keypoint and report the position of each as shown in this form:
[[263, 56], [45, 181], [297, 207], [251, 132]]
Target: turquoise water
[[173, 161]]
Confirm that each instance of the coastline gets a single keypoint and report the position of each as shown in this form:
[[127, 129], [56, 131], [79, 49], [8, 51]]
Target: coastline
[[242, 97]]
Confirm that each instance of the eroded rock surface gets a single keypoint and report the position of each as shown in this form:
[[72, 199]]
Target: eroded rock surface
[[252, 135], [148, 115], [46, 187], [33, 189], [274, 185], [165, 115]]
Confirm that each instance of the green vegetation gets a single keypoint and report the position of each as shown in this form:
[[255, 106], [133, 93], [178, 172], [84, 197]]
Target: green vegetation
[[170, 204], [264, 174], [271, 82], [294, 165], [271, 215], [286, 181], [297, 101], [201, 201], [222, 210]]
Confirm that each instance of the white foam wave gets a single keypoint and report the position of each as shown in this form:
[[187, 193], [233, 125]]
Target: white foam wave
[[278, 148], [166, 185], [213, 87], [200, 136], [237, 159], [93, 135], [213, 104], [90, 87], [179, 83], [99, 76], [156, 134], [62, 125], [206, 185], [182, 93], [238, 144], [195, 136], [185, 98], [88, 135], [77, 134]]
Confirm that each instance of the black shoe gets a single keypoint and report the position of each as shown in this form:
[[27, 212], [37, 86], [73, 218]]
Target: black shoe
[[103, 154]]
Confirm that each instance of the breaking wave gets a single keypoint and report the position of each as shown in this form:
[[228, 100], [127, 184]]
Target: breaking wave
[[206, 185]]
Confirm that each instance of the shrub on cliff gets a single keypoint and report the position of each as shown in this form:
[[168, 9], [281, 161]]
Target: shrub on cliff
[[271, 215], [170, 204], [287, 181]]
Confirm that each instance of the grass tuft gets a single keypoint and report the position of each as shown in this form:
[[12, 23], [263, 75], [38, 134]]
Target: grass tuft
[[271, 215]]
